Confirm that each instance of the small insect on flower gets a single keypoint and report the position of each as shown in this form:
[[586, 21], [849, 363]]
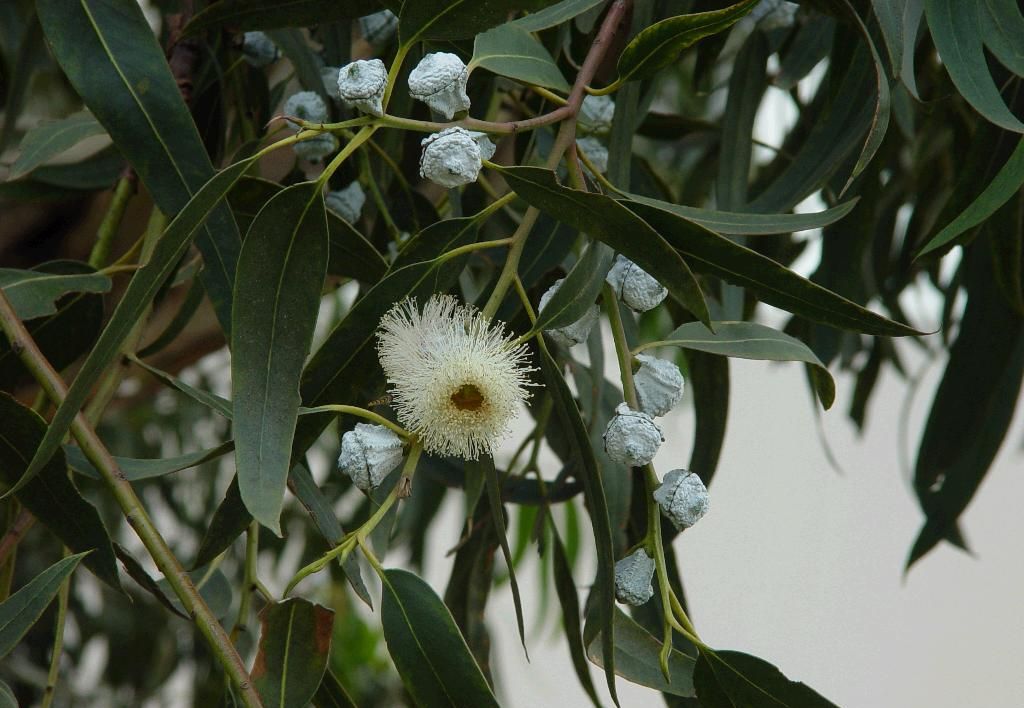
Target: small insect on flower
[[456, 378]]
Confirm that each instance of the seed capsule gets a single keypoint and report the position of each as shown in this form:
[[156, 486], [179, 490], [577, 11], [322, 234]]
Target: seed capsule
[[317, 148], [633, 575], [439, 80], [574, 333], [368, 454], [683, 498], [362, 85], [634, 286], [632, 437], [659, 385]]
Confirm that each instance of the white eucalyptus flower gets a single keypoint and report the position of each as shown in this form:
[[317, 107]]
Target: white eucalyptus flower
[[634, 286], [596, 114], [633, 575], [632, 438], [362, 84], [571, 334], [258, 49], [368, 454], [306, 105], [439, 80], [378, 27], [347, 203], [659, 385], [595, 151], [457, 380], [683, 498], [451, 158]]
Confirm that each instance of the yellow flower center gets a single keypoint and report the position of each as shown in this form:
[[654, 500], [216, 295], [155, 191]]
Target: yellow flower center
[[468, 398]]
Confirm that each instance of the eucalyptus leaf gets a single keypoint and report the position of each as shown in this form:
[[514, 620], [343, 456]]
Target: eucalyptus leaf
[[493, 484], [295, 645], [43, 143], [135, 469], [554, 14], [732, 679], [510, 51], [7, 699], [457, 19], [1002, 27], [578, 291], [273, 14], [21, 610], [34, 293]]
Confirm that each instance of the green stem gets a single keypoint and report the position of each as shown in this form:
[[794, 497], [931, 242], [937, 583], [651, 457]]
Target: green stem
[[350, 147], [136, 515], [471, 247], [611, 304], [362, 413], [250, 579], [112, 219], [510, 269], [58, 641]]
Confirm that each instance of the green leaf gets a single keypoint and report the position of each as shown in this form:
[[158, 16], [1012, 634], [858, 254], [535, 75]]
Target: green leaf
[[7, 699], [21, 610], [295, 645], [111, 57], [1005, 184], [747, 85], [747, 224], [51, 496], [213, 587], [958, 38], [604, 218], [510, 51], [457, 19], [770, 281], [429, 652], [637, 659], [135, 469], [96, 172], [48, 140], [498, 518], [1002, 27], [659, 45], [221, 406], [281, 272], [578, 292], [589, 472], [272, 14], [306, 63], [332, 694], [35, 293], [889, 14], [554, 15], [732, 679], [709, 384], [749, 340], [230, 519]]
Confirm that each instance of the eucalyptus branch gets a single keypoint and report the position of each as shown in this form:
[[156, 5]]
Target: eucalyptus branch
[[112, 219]]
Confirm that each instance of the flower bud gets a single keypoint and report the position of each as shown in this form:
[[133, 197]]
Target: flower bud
[[258, 49], [632, 438], [347, 203], [659, 385], [307, 106], [316, 148], [596, 114], [634, 286], [378, 27], [595, 151], [329, 78], [574, 333], [362, 84], [483, 142], [368, 454], [450, 158], [683, 498], [633, 575], [439, 80]]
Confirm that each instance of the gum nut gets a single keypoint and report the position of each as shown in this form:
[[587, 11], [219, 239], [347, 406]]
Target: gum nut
[[439, 80], [307, 106], [483, 142], [258, 49], [595, 151], [683, 498], [633, 575], [317, 148], [576, 332], [632, 438], [329, 77], [596, 114], [362, 84], [368, 454], [450, 158], [638, 290], [659, 385], [378, 27], [347, 203]]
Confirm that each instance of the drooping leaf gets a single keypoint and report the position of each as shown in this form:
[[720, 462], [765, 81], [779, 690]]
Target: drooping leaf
[[34, 293], [95, 172], [220, 406], [7, 699], [332, 693], [578, 292], [510, 51], [637, 660], [889, 14], [658, 45], [295, 645], [958, 38], [51, 496], [280, 276], [429, 652], [135, 469], [457, 19], [709, 384], [604, 218], [273, 14], [491, 481], [1002, 27], [111, 57], [732, 679], [307, 64], [747, 85], [48, 140], [749, 340], [21, 610], [554, 15]]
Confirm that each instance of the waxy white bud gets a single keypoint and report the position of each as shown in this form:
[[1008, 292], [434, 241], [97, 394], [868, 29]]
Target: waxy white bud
[[634, 286], [329, 78], [574, 333], [595, 151], [596, 114], [362, 84], [450, 158], [683, 498], [368, 454], [307, 106], [258, 49], [659, 385], [378, 27], [633, 575], [439, 80], [483, 142], [632, 438], [347, 203], [316, 148]]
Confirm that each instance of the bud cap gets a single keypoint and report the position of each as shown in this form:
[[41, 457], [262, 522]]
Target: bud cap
[[659, 385], [347, 203], [439, 80], [633, 575], [683, 498], [258, 49], [450, 158], [368, 454], [306, 105], [632, 437], [379, 26], [634, 286], [362, 83]]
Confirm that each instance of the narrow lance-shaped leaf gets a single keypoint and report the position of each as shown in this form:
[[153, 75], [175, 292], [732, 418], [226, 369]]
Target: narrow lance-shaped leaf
[[48, 140], [295, 644], [21, 610], [578, 291], [554, 15], [510, 51], [277, 296], [135, 469], [730, 679], [457, 19], [34, 293], [1002, 27]]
